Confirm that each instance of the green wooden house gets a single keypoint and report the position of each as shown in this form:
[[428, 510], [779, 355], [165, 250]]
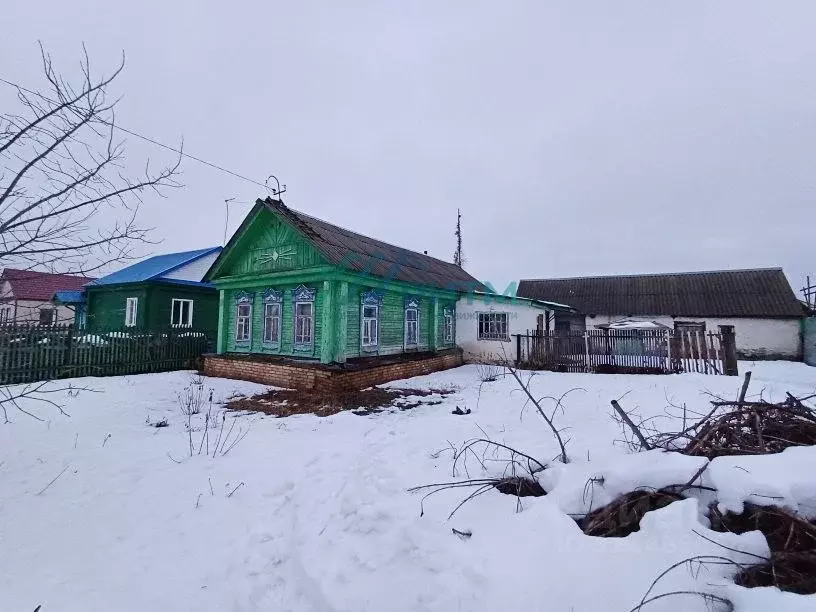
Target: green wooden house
[[157, 293], [293, 285]]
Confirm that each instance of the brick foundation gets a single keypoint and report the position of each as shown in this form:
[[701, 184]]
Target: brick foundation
[[318, 377]]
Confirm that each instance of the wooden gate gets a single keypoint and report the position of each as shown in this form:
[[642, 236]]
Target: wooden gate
[[629, 351]]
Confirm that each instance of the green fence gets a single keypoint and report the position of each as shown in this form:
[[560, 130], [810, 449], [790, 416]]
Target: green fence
[[31, 353]]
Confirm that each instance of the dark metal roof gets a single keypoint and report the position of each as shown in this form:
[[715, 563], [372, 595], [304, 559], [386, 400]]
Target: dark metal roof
[[342, 247], [726, 293]]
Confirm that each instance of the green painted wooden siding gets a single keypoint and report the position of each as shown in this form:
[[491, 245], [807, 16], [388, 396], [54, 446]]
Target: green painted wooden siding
[[256, 344], [392, 323], [353, 317], [270, 254], [269, 245], [205, 305], [106, 306]]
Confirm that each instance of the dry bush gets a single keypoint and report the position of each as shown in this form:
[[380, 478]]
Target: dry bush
[[791, 539]]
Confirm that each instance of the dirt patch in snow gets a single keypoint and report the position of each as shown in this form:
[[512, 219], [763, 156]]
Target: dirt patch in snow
[[622, 517], [287, 402], [520, 486]]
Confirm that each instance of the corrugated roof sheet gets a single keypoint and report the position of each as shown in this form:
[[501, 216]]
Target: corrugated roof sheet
[[360, 253], [69, 297], [40, 286], [726, 293], [153, 267]]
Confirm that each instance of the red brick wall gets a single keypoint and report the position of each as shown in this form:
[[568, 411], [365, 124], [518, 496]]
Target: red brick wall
[[305, 377]]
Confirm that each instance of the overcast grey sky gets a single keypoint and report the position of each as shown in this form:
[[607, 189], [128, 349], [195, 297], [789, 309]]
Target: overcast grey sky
[[578, 138]]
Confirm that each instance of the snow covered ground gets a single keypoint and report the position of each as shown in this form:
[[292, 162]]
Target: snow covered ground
[[313, 514]]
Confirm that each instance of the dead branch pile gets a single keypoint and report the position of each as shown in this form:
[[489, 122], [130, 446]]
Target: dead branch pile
[[792, 540], [731, 427], [755, 428], [622, 517], [794, 572]]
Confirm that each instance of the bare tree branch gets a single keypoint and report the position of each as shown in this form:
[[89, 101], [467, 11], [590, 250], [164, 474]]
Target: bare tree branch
[[65, 202]]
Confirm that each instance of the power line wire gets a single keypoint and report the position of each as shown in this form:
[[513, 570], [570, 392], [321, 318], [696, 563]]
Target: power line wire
[[146, 138]]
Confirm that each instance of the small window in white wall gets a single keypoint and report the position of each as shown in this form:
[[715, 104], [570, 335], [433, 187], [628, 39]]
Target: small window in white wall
[[6, 314], [131, 310], [493, 326], [181, 313]]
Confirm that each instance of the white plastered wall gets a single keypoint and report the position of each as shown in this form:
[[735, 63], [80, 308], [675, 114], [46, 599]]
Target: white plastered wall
[[756, 338], [522, 316]]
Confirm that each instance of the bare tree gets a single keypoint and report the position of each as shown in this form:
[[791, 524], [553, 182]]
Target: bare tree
[[66, 203], [458, 254]]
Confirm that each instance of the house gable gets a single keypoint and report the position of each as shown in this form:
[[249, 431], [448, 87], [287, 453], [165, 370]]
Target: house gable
[[265, 244]]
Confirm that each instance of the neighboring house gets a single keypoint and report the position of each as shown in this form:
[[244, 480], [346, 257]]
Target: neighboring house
[[25, 296], [159, 292], [486, 323], [293, 285], [760, 304]]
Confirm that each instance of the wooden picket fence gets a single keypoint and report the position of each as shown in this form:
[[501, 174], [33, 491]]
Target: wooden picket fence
[[30, 353], [628, 351]]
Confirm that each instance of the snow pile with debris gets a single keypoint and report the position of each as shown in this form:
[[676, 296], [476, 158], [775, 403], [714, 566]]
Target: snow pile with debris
[[100, 510]]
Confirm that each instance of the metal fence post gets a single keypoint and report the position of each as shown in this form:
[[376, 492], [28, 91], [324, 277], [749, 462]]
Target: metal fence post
[[518, 349]]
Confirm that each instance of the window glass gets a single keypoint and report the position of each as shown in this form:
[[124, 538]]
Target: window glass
[[181, 313], [303, 323], [493, 326], [242, 322], [411, 326], [370, 326], [131, 310], [272, 322]]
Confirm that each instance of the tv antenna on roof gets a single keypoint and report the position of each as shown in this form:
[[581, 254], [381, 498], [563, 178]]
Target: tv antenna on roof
[[275, 191], [226, 221]]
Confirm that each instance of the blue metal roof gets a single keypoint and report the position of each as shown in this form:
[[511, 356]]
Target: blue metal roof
[[154, 268], [69, 297]]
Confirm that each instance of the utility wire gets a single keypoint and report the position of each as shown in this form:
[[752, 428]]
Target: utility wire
[[146, 138]]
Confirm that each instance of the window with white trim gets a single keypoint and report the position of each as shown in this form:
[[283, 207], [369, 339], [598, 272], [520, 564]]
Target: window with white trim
[[411, 326], [131, 310], [447, 328], [272, 321], [181, 313], [48, 316], [6, 314], [371, 326], [243, 321], [304, 319], [493, 326]]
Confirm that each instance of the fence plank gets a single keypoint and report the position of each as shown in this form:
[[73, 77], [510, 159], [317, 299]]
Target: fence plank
[[612, 350], [30, 353]]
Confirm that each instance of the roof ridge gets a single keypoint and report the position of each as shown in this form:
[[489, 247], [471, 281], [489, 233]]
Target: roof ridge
[[356, 233], [640, 275], [199, 254], [35, 273]]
